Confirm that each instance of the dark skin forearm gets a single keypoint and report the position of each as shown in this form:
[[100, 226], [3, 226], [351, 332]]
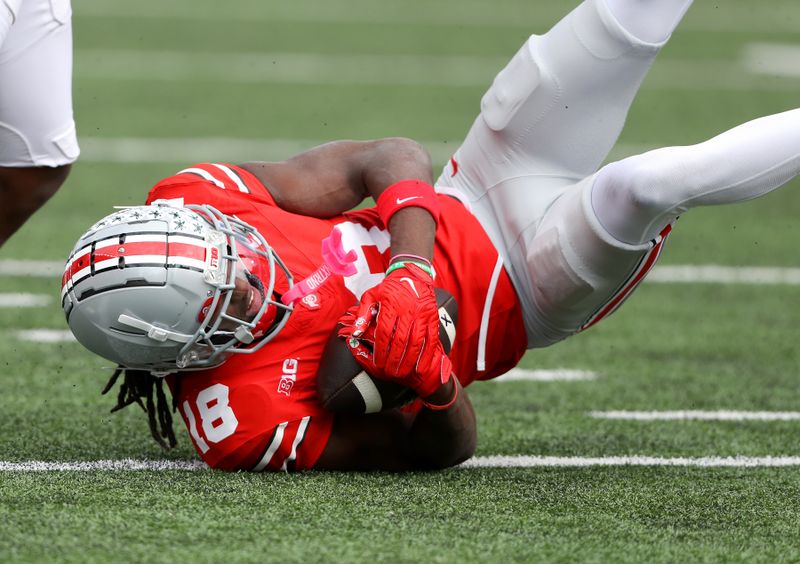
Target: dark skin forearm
[[336, 177], [413, 232], [333, 178], [442, 438], [396, 441]]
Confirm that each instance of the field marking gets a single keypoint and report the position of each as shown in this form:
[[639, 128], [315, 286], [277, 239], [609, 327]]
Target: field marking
[[381, 70], [581, 461], [24, 300], [46, 336], [697, 415], [216, 149], [710, 273], [289, 68], [101, 465], [31, 268], [556, 375], [498, 461], [233, 149], [775, 59]]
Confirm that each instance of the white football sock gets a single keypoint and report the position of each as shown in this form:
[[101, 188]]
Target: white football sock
[[636, 197]]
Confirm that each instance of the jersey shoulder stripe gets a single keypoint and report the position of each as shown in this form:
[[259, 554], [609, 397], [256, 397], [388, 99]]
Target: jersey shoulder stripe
[[226, 177], [233, 177], [200, 171]]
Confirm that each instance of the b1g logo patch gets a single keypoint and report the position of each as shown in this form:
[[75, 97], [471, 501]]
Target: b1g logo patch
[[213, 258], [288, 377]]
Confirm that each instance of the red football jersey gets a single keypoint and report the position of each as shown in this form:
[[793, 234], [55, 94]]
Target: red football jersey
[[260, 411]]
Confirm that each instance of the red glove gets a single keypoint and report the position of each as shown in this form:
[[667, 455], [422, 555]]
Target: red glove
[[394, 332]]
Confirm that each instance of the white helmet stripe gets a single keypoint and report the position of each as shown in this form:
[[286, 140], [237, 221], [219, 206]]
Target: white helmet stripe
[[71, 276], [185, 240], [185, 261], [144, 238], [73, 259]]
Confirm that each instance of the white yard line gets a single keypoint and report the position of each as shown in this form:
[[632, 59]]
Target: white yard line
[[692, 274], [24, 300], [95, 465], [581, 461], [288, 68], [697, 415], [774, 59], [519, 461], [236, 149], [360, 69], [46, 336], [32, 268], [218, 149], [556, 375]]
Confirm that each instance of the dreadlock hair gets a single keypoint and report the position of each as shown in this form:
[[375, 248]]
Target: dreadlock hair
[[138, 385]]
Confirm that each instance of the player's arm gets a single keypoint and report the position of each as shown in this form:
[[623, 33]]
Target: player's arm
[[401, 310], [333, 178], [394, 441]]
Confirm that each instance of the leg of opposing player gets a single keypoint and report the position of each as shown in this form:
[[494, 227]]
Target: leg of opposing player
[[37, 132], [599, 239]]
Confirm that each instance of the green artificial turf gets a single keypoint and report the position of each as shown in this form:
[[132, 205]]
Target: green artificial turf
[[671, 347]]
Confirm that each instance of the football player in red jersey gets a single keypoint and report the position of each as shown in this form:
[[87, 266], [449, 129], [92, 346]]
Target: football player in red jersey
[[220, 284], [259, 410]]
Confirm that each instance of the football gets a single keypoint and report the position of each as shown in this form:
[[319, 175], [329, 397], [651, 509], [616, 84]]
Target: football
[[344, 387]]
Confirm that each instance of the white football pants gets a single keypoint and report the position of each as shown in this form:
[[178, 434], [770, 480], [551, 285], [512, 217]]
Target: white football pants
[[36, 122], [576, 242]]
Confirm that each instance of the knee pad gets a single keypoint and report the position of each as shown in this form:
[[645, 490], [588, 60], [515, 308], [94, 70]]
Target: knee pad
[[511, 87]]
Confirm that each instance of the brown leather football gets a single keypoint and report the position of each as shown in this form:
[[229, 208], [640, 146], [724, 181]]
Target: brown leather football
[[344, 387]]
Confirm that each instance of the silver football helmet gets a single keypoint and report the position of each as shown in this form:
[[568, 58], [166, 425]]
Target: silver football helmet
[[166, 287]]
